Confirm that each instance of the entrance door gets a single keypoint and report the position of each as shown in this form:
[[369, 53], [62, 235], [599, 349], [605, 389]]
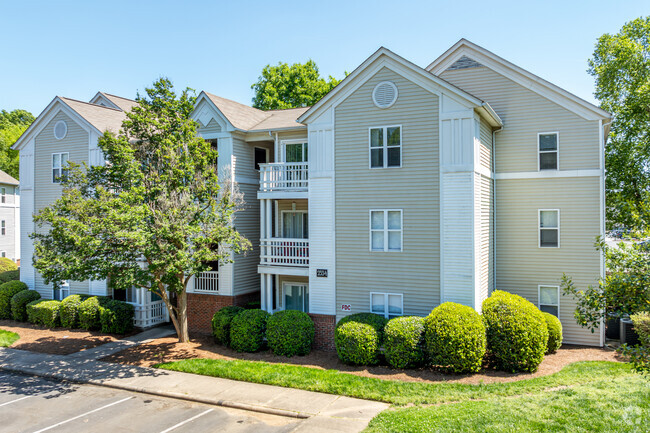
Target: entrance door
[[294, 225], [296, 297]]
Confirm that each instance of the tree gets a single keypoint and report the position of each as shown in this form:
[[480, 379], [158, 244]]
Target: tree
[[621, 66], [152, 217], [12, 126], [290, 86]]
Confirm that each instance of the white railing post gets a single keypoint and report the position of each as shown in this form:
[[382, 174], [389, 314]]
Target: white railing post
[[284, 252], [284, 176]]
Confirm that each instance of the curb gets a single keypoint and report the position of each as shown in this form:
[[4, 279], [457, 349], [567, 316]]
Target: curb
[[166, 394]]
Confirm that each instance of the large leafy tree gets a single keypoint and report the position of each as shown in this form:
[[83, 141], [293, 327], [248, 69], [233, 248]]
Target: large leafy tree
[[621, 66], [153, 216], [12, 125], [290, 86]]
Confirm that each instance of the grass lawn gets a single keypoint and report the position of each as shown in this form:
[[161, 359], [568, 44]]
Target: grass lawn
[[7, 338]]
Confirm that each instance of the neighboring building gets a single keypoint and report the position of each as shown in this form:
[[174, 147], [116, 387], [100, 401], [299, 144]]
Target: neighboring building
[[9, 218], [401, 189]]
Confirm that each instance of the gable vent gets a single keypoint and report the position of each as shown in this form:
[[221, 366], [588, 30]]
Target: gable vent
[[464, 63], [60, 130], [385, 94]]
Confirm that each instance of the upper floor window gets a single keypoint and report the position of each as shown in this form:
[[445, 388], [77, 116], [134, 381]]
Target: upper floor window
[[385, 230], [549, 299], [3, 227], [59, 166], [547, 147], [388, 305], [386, 147], [549, 228], [296, 151], [3, 195]]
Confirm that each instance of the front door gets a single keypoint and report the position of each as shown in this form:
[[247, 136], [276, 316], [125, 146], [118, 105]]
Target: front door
[[296, 297], [294, 225]]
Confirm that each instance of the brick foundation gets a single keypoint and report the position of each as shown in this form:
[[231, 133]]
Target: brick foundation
[[324, 337], [201, 308]]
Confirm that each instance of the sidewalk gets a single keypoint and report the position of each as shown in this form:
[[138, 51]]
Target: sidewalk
[[320, 412]]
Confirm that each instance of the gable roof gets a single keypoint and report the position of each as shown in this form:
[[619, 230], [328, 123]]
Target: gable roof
[[100, 117], [8, 180], [247, 118], [469, 50], [385, 54]]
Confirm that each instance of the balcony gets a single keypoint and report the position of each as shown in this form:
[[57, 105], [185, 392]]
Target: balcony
[[284, 177], [207, 282], [284, 252]]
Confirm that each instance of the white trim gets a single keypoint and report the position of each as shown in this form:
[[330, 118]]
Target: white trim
[[374, 94], [539, 227], [384, 146], [545, 174], [305, 287], [539, 297], [283, 149], [385, 230], [60, 168], [284, 270], [603, 270], [557, 150], [386, 303]]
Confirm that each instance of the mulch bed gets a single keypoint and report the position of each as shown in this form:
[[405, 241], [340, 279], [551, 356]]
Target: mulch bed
[[58, 341], [168, 349]]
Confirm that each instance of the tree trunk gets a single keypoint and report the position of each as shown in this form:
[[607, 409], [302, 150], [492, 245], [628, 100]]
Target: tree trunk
[[183, 332]]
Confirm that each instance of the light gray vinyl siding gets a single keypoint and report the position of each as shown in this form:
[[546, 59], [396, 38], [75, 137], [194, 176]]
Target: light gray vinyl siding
[[485, 134], [8, 240], [211, 128], [247, 222], [522, 265], [244, 155], [524, 114], [45, 191], [414, 188], [293, 135], [487, 236]]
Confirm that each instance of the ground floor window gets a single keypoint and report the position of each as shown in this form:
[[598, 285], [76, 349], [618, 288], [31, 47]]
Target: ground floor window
[[296, 297], [126, 295], [549, 299], [388, 305], [62, 292]]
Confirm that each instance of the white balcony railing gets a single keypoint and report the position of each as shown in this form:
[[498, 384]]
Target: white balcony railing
[[284, 252], [284, 176], [150, 314], [207, 282]]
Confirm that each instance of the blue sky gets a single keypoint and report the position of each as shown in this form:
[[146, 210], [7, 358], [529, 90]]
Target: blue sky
[[75, 48]]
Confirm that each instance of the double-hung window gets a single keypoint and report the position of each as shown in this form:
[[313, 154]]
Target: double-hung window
[[386, 230], [3, 195], [386, 147], [3, 227], [388, 305], [549, 299], [62, 292], [59, 166], [549, 228], [547, 148]]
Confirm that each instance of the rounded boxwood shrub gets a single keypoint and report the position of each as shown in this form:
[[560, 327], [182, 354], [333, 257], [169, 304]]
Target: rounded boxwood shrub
[[247, 330], [554, 327], [19, 303], [290, 333], [44, 312], [357, 343], [404, 341], [6, 264], [455, 338], [89, 312], [7, 291], [116, 317], [221, 323], [516, 332], [375, 320], [7, 276], [69, 311]]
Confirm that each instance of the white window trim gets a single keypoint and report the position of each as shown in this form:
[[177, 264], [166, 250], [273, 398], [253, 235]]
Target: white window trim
[[539, 227], [385, 230], [385, 295], [282, 221], [385, 146], [3, 194], [65, 286], [283, 148], [54, 168], [65, 133], [539, 297], [305, 287], [557, 151]]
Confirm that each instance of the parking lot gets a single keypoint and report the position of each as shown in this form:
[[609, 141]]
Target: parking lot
[[33, 404]]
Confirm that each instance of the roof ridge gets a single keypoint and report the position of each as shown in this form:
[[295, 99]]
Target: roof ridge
[[232, 100], [90, 103], [117, 96]]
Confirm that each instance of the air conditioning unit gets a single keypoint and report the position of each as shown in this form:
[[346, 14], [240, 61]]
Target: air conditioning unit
[[628, 334]]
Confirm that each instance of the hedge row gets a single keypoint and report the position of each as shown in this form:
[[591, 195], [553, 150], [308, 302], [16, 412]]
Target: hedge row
[[511, 334], [286, 333]]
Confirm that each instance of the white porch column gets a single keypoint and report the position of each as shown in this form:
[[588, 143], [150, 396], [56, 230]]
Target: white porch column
[[269, 293], [269, 230], [263, 291]]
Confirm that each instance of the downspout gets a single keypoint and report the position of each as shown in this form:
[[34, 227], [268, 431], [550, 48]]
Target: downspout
[[494, 206]]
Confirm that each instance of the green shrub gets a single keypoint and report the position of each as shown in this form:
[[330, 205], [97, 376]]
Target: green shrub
[[247, 330], [290, 333], [44, 312], [7, 276], [88, 310], [69, 312], [554, 327], [6, 264], [404, 341], [641, 323], [516, 332], [221, 324], [455, 338], [357, 343], [116, 317], [375, 320], [19, 303], [7, 291]]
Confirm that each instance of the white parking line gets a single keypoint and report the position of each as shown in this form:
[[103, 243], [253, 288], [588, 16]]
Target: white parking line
[[13, 401], [83, 414], [186, 421]]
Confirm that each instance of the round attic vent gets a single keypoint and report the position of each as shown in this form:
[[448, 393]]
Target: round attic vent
[[60, 130], [385, 94]]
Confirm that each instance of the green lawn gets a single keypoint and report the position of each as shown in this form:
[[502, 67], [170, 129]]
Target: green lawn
[[7, 338]]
